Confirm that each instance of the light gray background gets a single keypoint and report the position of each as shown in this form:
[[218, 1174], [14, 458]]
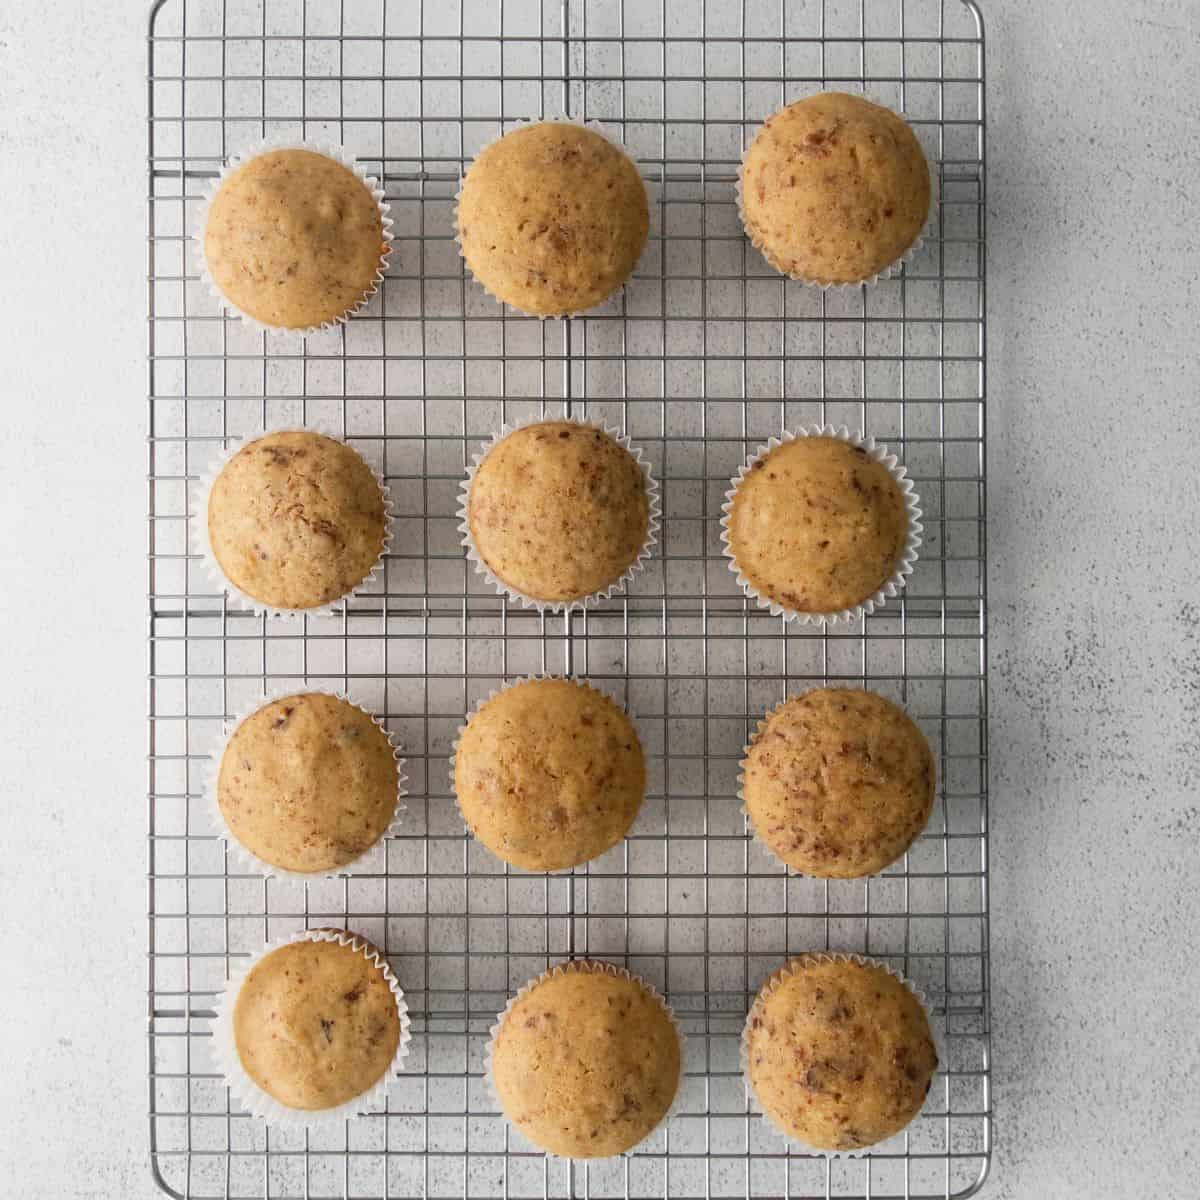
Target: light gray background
[[1094, 306]]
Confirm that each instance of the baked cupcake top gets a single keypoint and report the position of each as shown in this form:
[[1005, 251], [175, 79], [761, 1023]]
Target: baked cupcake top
[[817, 525], [308, 783], [315, 1024], [549, 773], [293, 239], [834, 189], [552, 218], [586, 1062], [838, 1052], [558, 511], [296, 519], [838, 783]]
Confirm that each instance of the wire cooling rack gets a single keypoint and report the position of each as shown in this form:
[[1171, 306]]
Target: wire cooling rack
[[705, 354]]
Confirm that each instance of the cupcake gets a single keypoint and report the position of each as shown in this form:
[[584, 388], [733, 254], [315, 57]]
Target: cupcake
[[558, 512], [307, 783], [294, 238], [549, 773], [295, 520], [834, 189], [838, 1052], [838, 783], [552, 218], [821, 525], [585, 1061], [312, 1030]]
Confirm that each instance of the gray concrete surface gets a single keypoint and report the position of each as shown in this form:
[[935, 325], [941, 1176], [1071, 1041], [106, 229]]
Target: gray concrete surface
[[1094, 385]]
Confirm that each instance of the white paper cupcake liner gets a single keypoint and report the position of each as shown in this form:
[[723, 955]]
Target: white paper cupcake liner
[[790, 967], [912, 541], [599, 967], [462, 729], [245, 857], [741, 790], [621, 583], [593, 127], [892, 267], [260, 1103], [202, 545], [266, 146]]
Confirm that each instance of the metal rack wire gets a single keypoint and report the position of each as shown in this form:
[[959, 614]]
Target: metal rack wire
[[705, 354]]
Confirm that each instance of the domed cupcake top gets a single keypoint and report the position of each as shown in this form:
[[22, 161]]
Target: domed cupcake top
[[549, 773], [838, 1052], [308, 783], [834, 189], [558, 511], [296, 519], [817, 525], [586, 1061], [294, 238], [838, 783], [552, 218], [315, 1024]]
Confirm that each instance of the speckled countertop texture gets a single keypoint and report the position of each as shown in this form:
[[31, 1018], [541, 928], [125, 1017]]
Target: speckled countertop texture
[[1094, 357]]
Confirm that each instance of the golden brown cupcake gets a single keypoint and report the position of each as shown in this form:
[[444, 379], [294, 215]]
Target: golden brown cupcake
[[817, 526], [315, 1023], [294, 239], [834, 189], [308, 783], [838, 1052], [552, 218], [585, 1061], [558, 512], [296, 520], [549, 773], [838, 783]]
